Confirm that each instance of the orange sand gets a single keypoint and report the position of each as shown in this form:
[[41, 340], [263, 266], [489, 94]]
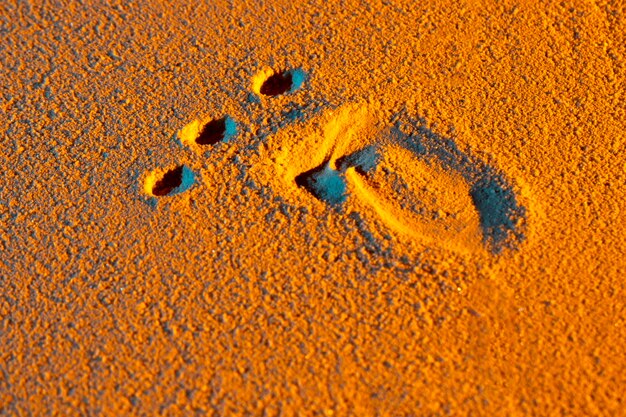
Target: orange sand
[[235, 286]]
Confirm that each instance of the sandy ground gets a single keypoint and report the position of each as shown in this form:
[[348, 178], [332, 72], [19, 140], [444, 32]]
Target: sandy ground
[[315, 208]]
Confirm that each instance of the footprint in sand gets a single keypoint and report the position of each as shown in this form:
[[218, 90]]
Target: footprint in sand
[[399, 173], [405, 176]]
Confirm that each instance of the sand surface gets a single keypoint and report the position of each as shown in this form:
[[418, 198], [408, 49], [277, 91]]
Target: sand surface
[[283, 208]]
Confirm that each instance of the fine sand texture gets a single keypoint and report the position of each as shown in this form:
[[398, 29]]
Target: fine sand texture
[[312, 208]]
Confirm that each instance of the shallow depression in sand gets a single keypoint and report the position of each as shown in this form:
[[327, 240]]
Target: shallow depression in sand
[[270, 83], [161, 183], [198, 134], [216, 131], [418, 184], [419, 199]]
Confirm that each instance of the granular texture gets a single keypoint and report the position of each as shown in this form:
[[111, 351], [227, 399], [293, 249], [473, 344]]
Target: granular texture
[[281, 208]]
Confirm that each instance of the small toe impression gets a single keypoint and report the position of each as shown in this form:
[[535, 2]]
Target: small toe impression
[[218, 130], [197, 135], [271, 84], [171, 182]]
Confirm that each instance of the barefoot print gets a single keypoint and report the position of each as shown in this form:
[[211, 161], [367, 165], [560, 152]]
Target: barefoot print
[[412, 180], [396, 170]]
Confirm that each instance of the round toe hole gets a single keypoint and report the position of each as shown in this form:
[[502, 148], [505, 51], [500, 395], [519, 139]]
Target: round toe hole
[[217, 130], [277, 84], [282, 82], [172, 182]]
